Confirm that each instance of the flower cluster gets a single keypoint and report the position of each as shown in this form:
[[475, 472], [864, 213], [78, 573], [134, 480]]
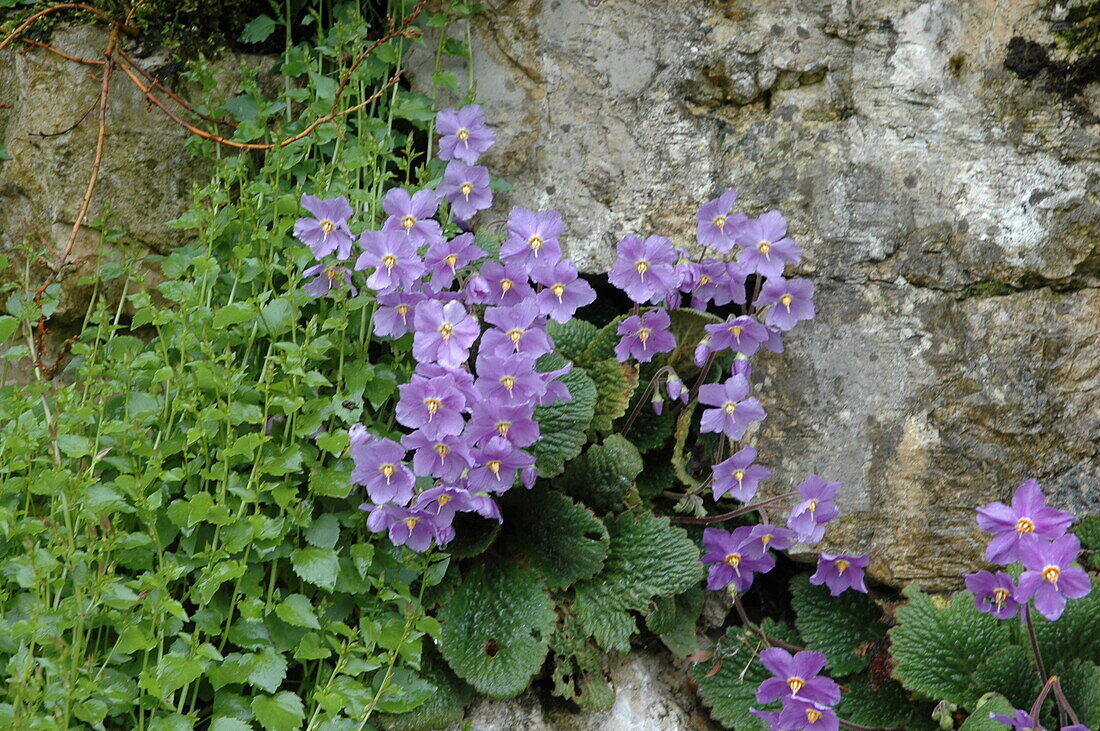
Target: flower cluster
[[1029, 532], [807, 698], [468, 424]]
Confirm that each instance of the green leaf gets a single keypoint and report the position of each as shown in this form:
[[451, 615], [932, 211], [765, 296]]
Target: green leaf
[[674, 619], [979, 720], [1087, 529], [938, 643], [648, 558], [297, 610], [561, 540], [680, 454], [1076, 634], [728, 681], [563, 425], [651, 430], [578, 667], [688, 326], [233, 314], [176, 671], [267, 670], [602, 345], [279, 712], [837, 626], [8, 324], [324, 531], [258, 30], [1081, 684], [886, 706], [443, 708], [615, 384], [1011, 671], [571, 337], [496, 628], [603, 475], [318, 566]]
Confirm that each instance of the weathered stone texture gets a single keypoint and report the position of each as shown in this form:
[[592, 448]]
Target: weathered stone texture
[[947, 208]]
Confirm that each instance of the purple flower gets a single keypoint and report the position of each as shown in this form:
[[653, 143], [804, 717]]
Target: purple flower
[[775, 340], [432, 405], [327, 277], [719, 282], [840, 572], [675, 389], [734, 411], [741, 334], [645, 270], [496, 465], [817, 508], [444, 333], [504, 285], [443, 501], [394, 315], [766, 246], [393, 258], [564, 291], [1048, 576], [773, 536], [532, 237], [379, 467], [716, 226], [736, 556], [444, 457], [410, 216], [556, 390], [741, 367], [1019, 720], [1025, 521], [793, 300], [466, 188], [509, 378], [406, 526], [644, 336], [796, 678], [738, 477], [444, 258], [463, 135], [799, 715], [993, 593], [464, 380], [328, 230], [513, 422], [769, 717], [519, 329]]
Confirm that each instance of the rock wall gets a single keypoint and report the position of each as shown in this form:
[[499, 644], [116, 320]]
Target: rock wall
[[938, 163]]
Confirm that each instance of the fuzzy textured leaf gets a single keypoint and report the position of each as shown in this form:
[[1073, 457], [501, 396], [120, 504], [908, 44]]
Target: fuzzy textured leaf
[[979, 720], [674, 619], [1010, 671], [615, 384], [837, 626], [563, 541], [648, 558], [688, 326], [496, 628], [279, 712], [563, 425], [578, 668], [443, 708], [887, 706], [571, 337], [603, 475], [937, 644], [602, 346], [1076, 634]]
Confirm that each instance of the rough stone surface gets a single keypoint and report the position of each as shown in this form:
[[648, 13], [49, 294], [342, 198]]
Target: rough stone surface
[[146, 176], [947, 206], [646, 699]]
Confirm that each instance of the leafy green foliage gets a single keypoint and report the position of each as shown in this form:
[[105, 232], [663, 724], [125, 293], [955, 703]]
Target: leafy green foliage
[[602, 476], [561, 540], [1076, 634], [563, 425], [979, 720], [647, 559], [1081, 683], [615, 383], [885, 706], [578, 667], [688, 326], [444, 706], [572, 337], [674, 619], [837, 626], [497, 627], [938, 644]]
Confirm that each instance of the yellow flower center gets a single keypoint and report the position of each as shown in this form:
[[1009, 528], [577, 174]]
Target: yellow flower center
[[1051, 574], [503, 427], [442, 450], [1025, 525], [515, 335], [730, 407], [558, 290], [764, 247], [812, 714], [433, 404], [508, 382], [813, 505], [505, 285], [766, 538], [842, 566], [739, 475], [466, 189], [535, 242], [735, 331], [494, 466], [1000, 596], [720, 221], [643, 335], [786, 300], [387, 471], [463, 134], [796, 684], [411, 522], [331, 273], [402, 310], [408, 222], [451, 260], [446, 330], [642, 266], [443, 499], [327, 226], [389, 261], [733, 559], [704, 279]]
